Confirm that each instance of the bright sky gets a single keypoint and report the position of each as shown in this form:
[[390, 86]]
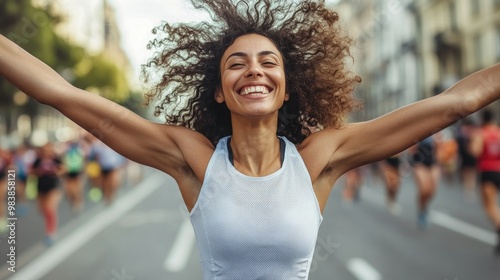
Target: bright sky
[[136, 19]]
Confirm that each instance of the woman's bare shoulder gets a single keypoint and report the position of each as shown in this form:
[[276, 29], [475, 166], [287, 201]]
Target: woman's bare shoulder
[[186, 151], [318, 149]]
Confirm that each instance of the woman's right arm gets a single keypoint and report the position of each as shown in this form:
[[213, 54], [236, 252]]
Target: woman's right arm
[[140, 140]]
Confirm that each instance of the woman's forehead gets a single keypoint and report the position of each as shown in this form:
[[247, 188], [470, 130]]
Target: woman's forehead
[[251, 44]]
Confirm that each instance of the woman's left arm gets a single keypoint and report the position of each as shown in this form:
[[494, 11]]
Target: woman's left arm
[[361, 143]]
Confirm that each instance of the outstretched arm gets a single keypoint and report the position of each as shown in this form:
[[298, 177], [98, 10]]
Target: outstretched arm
[[370, 141], [132, 136]]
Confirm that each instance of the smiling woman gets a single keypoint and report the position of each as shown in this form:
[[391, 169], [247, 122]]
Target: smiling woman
[[260, 78]]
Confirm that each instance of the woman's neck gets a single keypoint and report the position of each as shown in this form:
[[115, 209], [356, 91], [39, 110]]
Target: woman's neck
[[255, 147]]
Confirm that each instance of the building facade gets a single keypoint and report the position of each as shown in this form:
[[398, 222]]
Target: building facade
[[458, 38], [385, 52], [407, 50]]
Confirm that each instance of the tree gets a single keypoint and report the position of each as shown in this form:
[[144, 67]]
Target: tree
[[33, 28]]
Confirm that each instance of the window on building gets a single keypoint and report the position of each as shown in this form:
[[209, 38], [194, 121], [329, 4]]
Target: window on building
[[478, 51], [453, 16], [107, 29], [475, 7]]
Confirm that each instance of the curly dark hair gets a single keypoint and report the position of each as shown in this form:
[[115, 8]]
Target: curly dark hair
[[184, 73]]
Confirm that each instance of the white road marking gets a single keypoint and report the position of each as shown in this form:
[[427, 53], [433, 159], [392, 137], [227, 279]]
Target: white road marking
[[67, 246], [443, 220], [179, 255], [462, 227], [362, 270]]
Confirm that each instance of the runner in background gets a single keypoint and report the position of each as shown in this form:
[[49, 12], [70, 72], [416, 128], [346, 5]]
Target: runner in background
[[48, 168], [23, 158], [485, 145], [92, 168], [390, 173], [353, 182], [446, 152], [110, 164], [467, 165], [426, 172], [74, 164]]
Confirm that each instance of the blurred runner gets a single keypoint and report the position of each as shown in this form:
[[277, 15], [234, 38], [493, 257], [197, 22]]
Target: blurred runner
[[426, 173], [48, 168], [467, 170], [110, 163], [485, 144], [446, 152], [92, 168], [23, 159], [74, 165], [390, 173], [353, 181]]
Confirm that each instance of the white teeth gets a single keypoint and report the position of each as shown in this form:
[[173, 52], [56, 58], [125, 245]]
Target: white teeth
[[254, 89]]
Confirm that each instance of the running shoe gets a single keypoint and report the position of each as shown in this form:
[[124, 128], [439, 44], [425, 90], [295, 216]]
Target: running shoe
[[422, 220], [48, 240]]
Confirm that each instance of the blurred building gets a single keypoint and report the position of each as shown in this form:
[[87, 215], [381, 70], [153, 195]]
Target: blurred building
[[92, 25], [112, 39], [407, 50], [84, 23], [385, 52], [458, 37]]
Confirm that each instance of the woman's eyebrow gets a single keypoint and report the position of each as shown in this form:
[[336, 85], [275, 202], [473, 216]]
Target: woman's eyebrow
[[236, 54], [262, 53]]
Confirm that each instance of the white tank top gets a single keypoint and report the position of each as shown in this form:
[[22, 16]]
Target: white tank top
[[256, 227]]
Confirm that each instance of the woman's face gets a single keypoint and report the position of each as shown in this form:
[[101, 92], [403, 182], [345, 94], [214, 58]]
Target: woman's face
[[253, 77]]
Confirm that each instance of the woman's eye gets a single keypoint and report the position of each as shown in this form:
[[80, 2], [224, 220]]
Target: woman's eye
[[235, 65], [269, 63]]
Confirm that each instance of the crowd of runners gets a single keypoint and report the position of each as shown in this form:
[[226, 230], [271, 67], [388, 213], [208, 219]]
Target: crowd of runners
[[79, 170]]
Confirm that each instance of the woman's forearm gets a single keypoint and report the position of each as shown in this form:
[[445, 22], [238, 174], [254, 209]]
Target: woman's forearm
[[477, 90], [28, 73]]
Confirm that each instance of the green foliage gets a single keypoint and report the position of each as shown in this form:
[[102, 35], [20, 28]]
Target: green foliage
[[98, 74], [12, 12], [33, 29]]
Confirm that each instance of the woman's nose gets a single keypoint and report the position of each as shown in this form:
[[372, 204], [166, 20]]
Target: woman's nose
[[254, 70]]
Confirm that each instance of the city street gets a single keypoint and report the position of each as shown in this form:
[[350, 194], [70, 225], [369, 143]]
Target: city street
[[146, 234], [113, 82]]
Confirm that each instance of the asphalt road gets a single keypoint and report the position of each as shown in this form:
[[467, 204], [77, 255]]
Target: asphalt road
[[146, 234]]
